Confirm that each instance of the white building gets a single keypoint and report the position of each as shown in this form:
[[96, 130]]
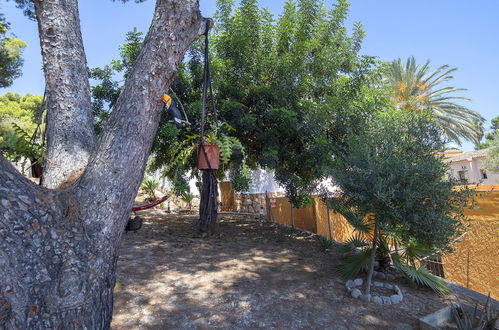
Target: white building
[[470, 166]]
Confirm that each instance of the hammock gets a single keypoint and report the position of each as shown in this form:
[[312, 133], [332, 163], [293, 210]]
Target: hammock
[[150, 205]]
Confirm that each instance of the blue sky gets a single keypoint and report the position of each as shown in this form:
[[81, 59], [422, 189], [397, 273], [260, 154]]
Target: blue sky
[[460, 33]]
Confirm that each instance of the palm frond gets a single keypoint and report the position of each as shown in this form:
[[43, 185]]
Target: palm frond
[[423, 277], [355, 263], [354, 218], [353, 243], [417, 89], [413, 252], [358, 221]]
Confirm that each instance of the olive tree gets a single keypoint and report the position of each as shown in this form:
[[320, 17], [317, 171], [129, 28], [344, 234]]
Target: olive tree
[[393, 185]]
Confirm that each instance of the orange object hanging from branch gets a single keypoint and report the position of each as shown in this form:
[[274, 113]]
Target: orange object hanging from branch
[[208, 156]]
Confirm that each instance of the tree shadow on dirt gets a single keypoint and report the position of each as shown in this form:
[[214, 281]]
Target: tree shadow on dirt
[[253, 275]]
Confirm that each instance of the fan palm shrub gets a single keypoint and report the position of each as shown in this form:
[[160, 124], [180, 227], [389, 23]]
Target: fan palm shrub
[[188, 198], [149, 185], [410, 259], [416, 88]]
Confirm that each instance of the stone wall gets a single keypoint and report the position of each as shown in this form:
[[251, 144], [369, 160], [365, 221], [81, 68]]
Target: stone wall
[[253, 203], [243, 202]]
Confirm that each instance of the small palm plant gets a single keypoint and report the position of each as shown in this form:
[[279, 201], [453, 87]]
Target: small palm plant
[[325, 243], [409, 258], [188, 197], [149, 185]]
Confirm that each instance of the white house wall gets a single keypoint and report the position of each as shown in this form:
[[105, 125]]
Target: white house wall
[[473, 173], [263, 181]]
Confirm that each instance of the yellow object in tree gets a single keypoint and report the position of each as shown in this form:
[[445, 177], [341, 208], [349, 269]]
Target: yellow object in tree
[[166, 100]]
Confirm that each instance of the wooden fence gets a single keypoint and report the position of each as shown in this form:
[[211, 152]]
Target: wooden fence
[[473, 264]]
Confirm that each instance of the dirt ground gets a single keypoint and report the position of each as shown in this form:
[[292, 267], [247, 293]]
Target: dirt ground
[[253, 275]]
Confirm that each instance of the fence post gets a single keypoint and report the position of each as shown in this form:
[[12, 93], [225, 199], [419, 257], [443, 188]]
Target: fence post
[[267, 206], [329, 221], [292, 216]]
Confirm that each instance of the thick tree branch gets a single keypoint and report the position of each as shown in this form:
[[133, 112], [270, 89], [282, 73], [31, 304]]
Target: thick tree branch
[[58, 248], [14, 191], [70, 135], [121, 153]]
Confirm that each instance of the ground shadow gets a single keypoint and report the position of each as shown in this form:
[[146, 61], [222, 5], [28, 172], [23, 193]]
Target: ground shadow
[[253, 275]]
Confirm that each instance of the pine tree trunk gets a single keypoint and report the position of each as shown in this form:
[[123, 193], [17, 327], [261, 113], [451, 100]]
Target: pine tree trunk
[[58, 248], [56, 271], [70, 137], [208, 207]]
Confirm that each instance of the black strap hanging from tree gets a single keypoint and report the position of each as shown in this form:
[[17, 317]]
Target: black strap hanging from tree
[[209, 191]]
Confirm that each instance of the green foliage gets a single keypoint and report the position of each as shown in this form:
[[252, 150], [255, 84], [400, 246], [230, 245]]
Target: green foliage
[[187, 197], [353, 243], [26, 148], [411, 265], [11, 61], [27, 6], [325, 243], [356, 262], [292, 88], [18, 117], [241, 182], [228, 144], [149, 185], [391, 170], [129, 51], [390, 173], [183, 156], [109, 83], [492, 162], [489, 137], [483, 317], [417, 89], [421, 276], [180, 185]]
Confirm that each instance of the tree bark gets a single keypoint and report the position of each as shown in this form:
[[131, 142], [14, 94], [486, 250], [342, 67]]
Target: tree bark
[[70, 134], [373, 258], [208, 206], [52, 272], [58, 248]]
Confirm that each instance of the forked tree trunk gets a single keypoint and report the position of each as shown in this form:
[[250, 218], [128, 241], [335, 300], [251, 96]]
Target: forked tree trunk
[[55, 270], [58, 248], [70, 138], [208, 206]]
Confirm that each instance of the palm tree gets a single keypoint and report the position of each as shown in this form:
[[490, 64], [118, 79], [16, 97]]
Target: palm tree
[[417, 89]]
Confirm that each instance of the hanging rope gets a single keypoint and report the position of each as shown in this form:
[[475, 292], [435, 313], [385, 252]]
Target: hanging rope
[[209, 191]]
